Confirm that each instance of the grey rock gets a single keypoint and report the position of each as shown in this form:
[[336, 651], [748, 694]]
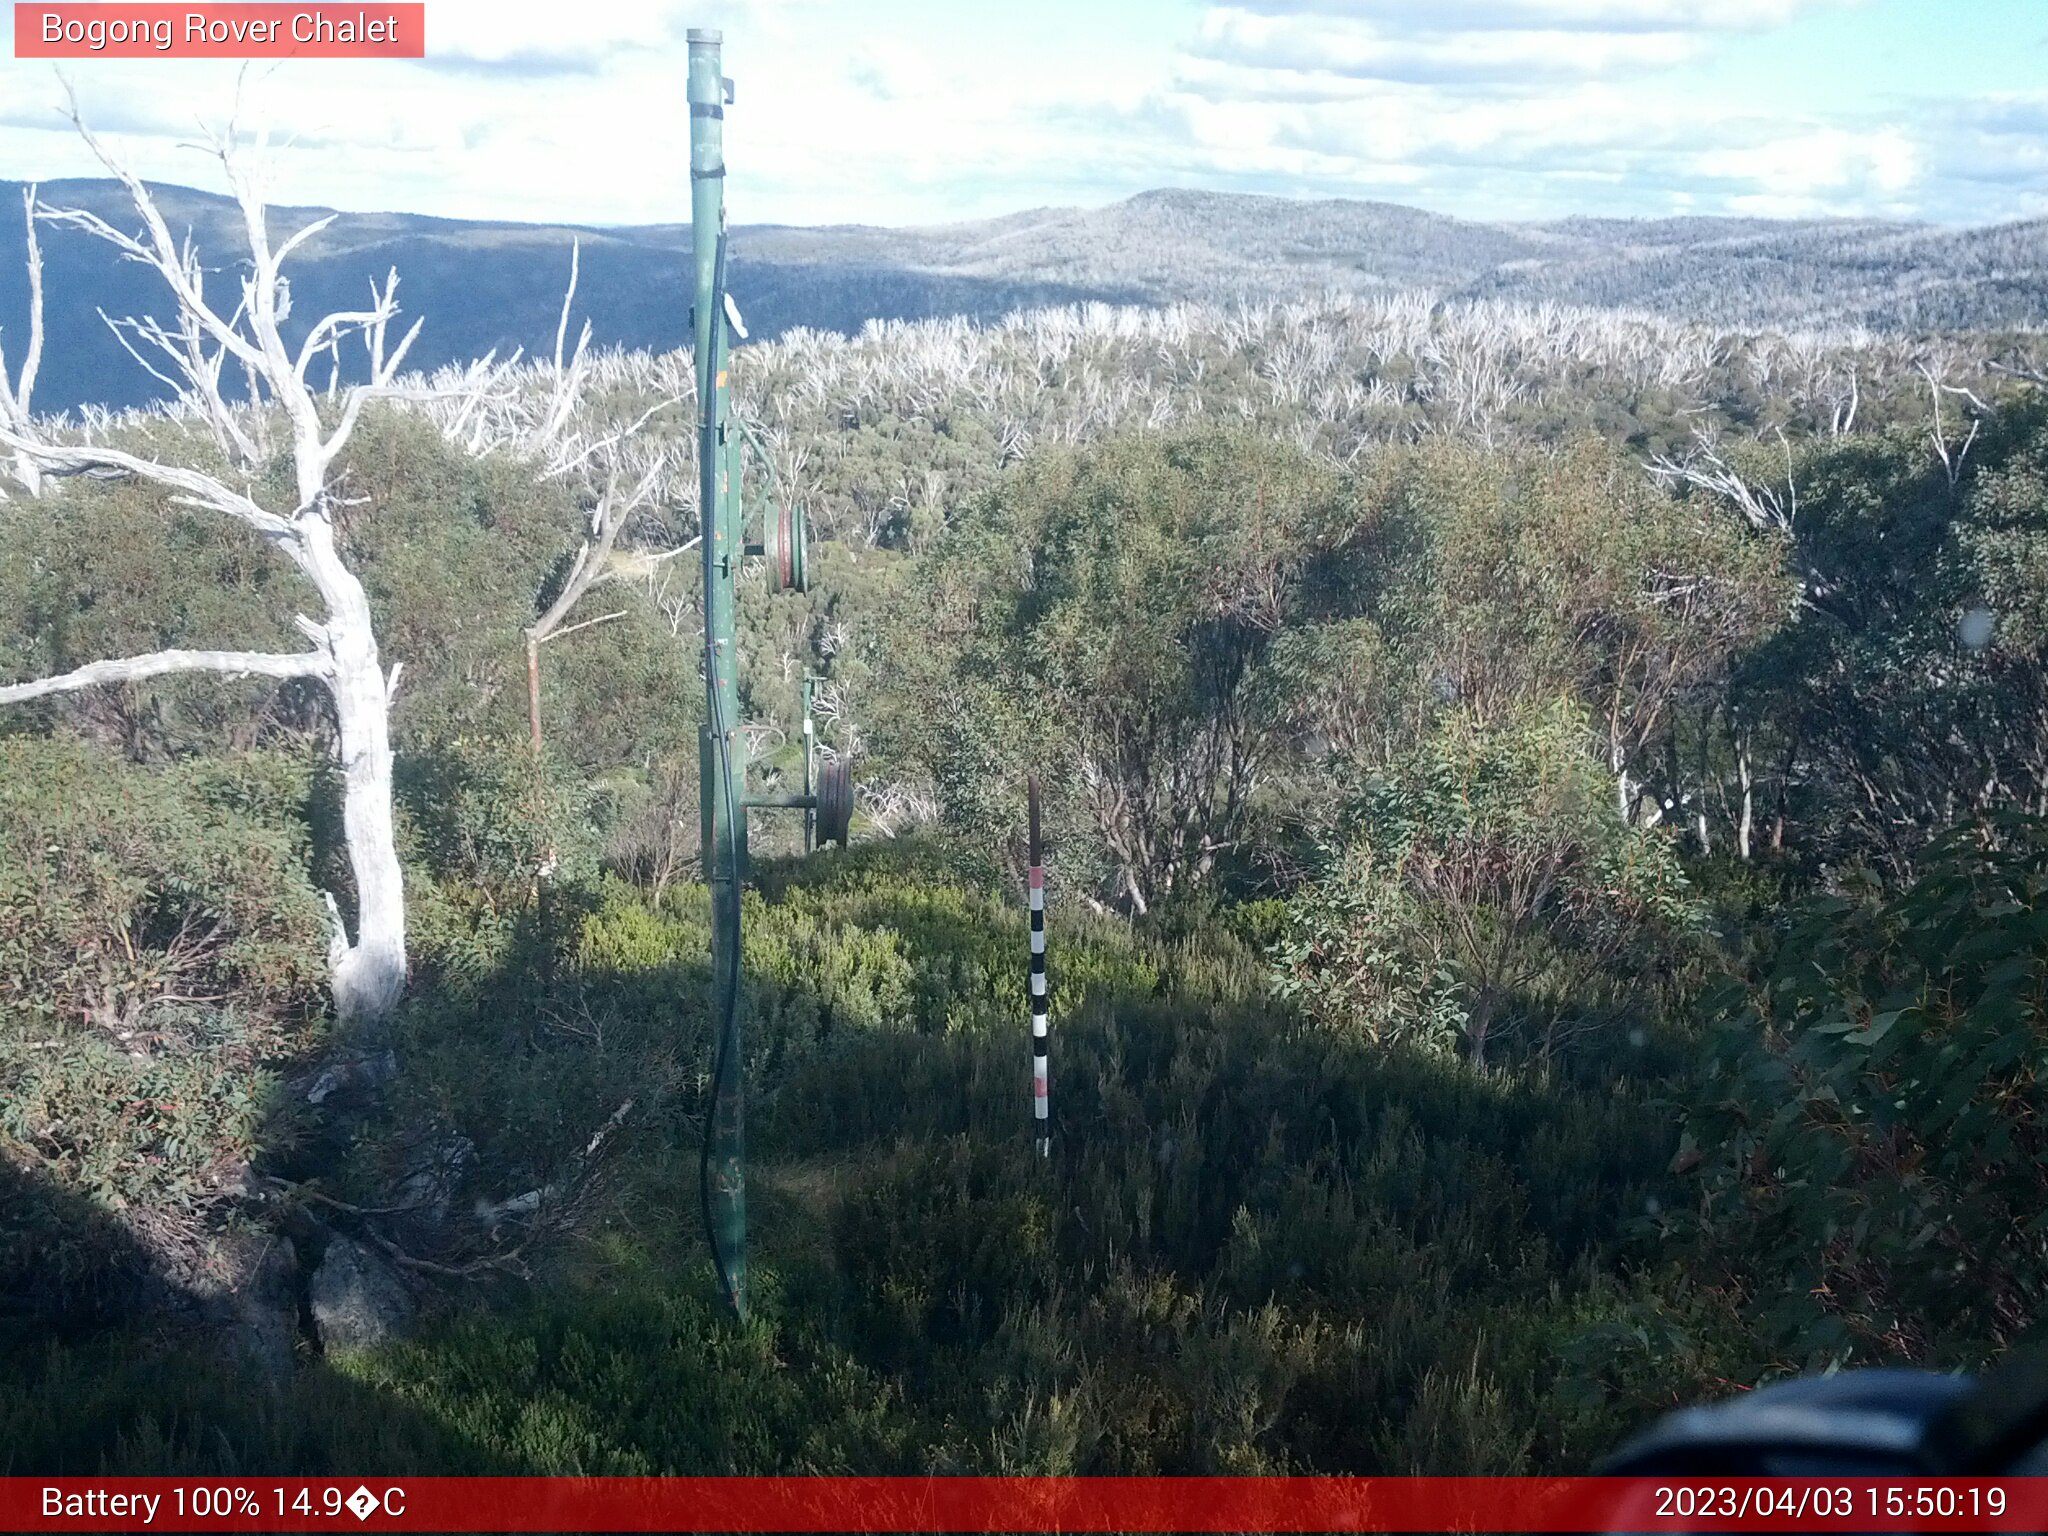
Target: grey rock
[[358, 1300], [368, 1071]]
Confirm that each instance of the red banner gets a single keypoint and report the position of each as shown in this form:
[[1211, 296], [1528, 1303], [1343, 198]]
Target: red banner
[[248, 29], [977, 1504]]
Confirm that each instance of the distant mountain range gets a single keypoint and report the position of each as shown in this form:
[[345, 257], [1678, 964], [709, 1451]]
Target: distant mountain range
[[496, 285]]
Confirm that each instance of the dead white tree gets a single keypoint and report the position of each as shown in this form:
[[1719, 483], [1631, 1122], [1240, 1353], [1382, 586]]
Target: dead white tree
[[16, 395], [367, 972], [601, 462], [1842, 397], [1935, 371], [894, 807], [615, 502], [1705, 468]]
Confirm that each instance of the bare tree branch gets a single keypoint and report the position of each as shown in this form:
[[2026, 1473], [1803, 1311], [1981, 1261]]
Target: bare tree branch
[[562, 327], [2030, 375], [131, 669], [15, 396], [570, 629], [591, 566], [198, 487], [160, 250], [1704, 468]]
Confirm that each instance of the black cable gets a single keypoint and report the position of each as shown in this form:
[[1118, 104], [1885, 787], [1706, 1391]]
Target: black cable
[[727, 1023], [728, 961]]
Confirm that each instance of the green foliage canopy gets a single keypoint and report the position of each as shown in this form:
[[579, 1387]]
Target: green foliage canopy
[[1483, 889]]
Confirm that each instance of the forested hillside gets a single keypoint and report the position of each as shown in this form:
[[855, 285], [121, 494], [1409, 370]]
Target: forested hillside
[[1546, 861], [498, 286]]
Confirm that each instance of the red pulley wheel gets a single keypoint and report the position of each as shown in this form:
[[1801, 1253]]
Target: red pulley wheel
[[783, 541]]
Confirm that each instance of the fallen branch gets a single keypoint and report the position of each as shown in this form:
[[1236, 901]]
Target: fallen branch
[[307, 1192], [493, 1214], [507, 1259]]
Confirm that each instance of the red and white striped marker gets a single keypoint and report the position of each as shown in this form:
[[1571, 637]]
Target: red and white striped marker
[[1041, 1100]]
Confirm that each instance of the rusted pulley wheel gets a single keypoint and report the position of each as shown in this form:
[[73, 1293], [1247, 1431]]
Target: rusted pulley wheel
[[783, 541], [835, 801]]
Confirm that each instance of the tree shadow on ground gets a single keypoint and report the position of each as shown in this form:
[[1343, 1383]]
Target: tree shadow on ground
[[1256, 1246], [108, 1367]]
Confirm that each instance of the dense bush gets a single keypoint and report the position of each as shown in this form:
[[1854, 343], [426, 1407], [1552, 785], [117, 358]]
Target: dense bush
[[1871, 722], [1450, 715], [1101, 616], [1185, 1286], [1204, 641], [1484, 891], [110, 568], [161, 952], [1868, 1138]]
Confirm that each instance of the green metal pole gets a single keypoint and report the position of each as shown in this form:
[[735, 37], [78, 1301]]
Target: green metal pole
[[723, 768]]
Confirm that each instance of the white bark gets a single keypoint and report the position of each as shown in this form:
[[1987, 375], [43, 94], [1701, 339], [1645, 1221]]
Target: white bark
[[1935, 372], [1704, 468], [369, 975], [1745, 830], [133, 669], [15, 396]]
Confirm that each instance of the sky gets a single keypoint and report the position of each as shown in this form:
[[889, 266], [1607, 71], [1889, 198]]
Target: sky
[[928, 111]]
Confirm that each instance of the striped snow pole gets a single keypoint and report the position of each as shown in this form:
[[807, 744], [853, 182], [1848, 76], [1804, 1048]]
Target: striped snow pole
[[1041, 1102]]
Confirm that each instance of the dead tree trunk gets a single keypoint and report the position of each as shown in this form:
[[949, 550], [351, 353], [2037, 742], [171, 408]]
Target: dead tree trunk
[[367, 972]]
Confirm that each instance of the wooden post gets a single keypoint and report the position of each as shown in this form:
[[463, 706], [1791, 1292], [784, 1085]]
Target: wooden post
[[533, 689]]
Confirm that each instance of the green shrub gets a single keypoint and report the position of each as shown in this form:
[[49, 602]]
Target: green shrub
[[122, 888], [1485, 887], [1868, 1136], [161, 955]]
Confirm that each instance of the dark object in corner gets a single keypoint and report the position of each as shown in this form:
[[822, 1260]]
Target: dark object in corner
[[1881, 1422]]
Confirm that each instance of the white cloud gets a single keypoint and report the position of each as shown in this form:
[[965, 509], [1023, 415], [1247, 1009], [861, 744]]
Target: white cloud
[[521, 110], [1554, 15], [1355, 46], [1504, 108], [459, 30], [1812, 165], [904, 111]]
